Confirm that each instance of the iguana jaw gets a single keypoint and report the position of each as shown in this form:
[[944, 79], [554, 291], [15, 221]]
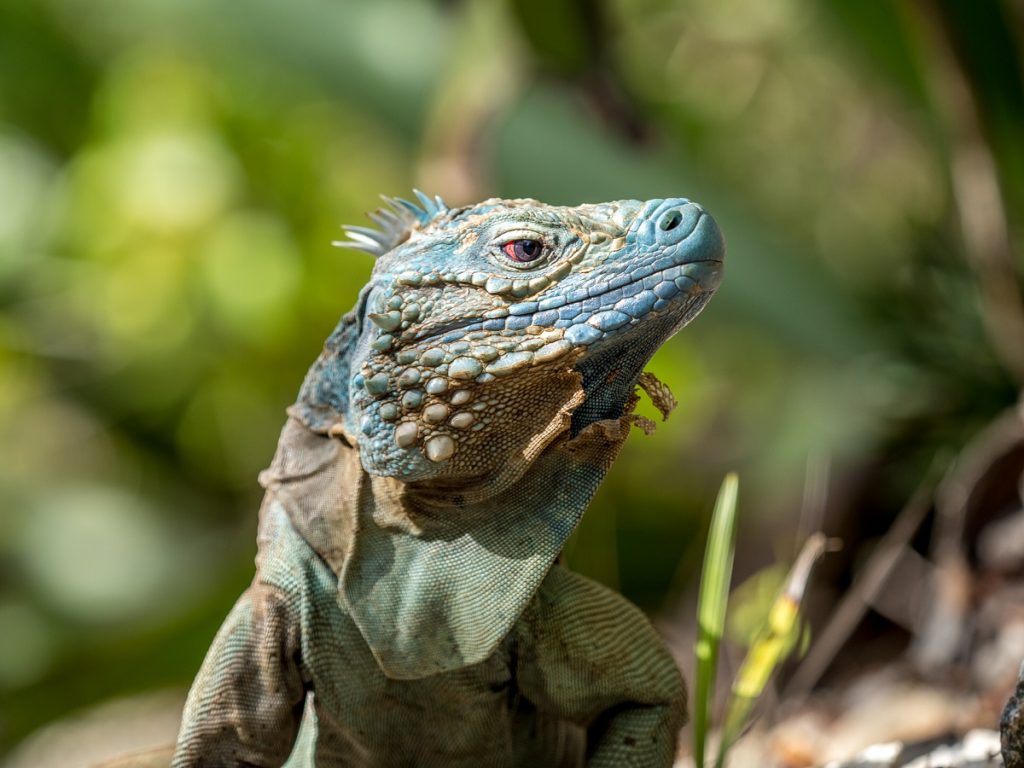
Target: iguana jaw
[[461, 355]]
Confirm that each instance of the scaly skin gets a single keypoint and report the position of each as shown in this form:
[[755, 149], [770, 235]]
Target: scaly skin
[[441, 451]]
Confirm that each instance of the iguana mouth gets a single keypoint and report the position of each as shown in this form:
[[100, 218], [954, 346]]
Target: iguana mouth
[[593, 303], [546, 312]]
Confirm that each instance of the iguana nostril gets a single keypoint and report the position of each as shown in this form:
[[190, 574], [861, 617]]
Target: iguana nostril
[[670, 220]]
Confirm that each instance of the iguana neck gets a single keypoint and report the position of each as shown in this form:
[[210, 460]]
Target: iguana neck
[[435, 577], [344, 490]]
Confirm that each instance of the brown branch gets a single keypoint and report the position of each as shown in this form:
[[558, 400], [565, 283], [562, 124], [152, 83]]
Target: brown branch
[[869, 582], [941, 631]]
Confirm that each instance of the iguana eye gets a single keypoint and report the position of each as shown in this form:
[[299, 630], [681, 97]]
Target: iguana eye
[[523, 251]]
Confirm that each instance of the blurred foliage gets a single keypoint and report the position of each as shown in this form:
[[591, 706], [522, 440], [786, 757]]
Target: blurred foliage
[[173, 171]]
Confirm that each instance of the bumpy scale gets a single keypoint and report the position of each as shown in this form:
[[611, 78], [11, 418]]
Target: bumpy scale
[[407, 609]]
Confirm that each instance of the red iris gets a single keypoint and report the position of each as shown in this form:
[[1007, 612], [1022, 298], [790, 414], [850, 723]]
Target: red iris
[[523, 250]]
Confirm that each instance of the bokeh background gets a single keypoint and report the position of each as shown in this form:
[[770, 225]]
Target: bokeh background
[[172, 173]]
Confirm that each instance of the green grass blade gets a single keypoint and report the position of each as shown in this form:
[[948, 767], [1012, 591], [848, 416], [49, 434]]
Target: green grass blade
[[714, 594]]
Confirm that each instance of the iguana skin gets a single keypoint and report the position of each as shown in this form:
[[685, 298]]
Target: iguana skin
[[442, 449]]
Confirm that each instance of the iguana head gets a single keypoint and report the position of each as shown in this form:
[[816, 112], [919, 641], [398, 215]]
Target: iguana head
[[488, 330]]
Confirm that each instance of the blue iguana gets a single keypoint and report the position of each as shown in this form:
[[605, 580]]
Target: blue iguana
[[442, 448]]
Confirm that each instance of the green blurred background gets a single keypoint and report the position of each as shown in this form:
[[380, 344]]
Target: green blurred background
[[172, 173]]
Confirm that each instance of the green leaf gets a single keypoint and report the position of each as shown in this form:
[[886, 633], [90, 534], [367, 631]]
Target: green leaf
[[714, 594]]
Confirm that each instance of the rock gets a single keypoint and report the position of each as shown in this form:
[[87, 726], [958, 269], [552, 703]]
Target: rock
[[1011, 726], [977, 749]]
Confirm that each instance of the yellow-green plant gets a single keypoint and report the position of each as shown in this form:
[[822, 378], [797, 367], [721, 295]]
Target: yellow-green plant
[[771, 644]]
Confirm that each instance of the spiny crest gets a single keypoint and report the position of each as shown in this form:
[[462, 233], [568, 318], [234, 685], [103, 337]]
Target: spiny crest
[[394, 223]]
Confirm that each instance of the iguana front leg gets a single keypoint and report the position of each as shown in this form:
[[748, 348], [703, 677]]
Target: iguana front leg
[[589, 656], [246, 703]]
